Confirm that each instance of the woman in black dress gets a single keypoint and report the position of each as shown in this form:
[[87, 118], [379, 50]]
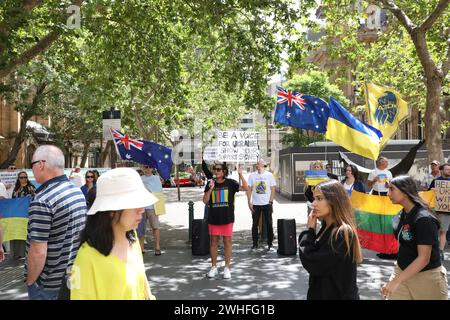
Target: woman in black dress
[[331, 255]]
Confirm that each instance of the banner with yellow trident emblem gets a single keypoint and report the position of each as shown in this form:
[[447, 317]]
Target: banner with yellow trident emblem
[[385, 108]]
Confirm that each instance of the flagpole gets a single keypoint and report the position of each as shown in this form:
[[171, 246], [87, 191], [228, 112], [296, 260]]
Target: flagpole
[[177, 176], [367, 103]]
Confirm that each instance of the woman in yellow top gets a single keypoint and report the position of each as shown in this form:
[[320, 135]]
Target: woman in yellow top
[[109, 263]]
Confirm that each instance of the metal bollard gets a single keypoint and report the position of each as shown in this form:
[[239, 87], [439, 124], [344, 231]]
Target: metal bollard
[[191, 218]]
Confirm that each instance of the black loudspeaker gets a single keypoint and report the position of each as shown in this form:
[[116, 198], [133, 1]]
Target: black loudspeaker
[[200, 237], [287, 237]]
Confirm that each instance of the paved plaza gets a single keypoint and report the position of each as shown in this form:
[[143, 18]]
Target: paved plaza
[[261, 275]]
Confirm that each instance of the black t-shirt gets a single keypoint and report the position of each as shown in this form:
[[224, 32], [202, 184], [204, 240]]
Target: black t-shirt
[[418, 227], [221, 203]]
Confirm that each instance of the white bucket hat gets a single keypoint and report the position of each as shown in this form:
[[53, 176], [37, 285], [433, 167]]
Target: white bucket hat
[[119, 189]]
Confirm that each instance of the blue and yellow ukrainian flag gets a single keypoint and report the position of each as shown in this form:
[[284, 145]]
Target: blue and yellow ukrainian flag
[[351, 133], [386, 109], [14, 218]]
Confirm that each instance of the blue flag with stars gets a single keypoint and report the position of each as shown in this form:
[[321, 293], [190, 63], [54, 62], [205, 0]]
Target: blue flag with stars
[[144, 152], [301, 111]]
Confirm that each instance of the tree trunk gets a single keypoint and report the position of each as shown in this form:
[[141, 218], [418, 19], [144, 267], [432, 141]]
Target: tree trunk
[[18, 140], [433, 120], [85, 154], [105, 152], [434, 79]]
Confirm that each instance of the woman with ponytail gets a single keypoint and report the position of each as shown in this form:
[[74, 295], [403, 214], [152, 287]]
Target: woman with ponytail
[[418, 273], [331, 255]]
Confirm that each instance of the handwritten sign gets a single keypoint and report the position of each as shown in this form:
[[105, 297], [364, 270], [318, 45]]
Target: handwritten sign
[[8, 178], [237, 146], [442, 192]]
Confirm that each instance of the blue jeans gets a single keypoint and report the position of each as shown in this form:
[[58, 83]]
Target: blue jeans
[[36, 292]]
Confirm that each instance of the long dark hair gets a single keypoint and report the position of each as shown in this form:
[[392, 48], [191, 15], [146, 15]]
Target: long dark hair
[[93, 173], [355, 171], [345, 224], [17, 187], [98, 232], [407, 185]]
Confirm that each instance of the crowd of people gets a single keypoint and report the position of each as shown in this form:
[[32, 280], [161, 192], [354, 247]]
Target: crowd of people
[[84, 231]]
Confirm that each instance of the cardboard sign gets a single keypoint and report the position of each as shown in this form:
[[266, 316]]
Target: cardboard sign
[[237, 146], [210, 153], [8, 177], [442, 195]]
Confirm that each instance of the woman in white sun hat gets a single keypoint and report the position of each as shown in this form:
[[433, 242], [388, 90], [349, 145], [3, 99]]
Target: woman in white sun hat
[[109, 264]]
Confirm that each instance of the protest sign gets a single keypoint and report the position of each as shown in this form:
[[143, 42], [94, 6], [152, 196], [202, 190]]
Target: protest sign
[[8, 177], [442, 194], [237, 146]]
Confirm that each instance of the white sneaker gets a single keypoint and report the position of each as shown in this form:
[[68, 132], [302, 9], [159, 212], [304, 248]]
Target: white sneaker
[[212, 272], [226, 273]]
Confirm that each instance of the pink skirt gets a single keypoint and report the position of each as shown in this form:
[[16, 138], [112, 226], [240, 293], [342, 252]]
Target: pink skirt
[[225, 230]]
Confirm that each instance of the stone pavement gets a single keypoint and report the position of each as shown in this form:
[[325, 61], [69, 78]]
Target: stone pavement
[[178, 275]]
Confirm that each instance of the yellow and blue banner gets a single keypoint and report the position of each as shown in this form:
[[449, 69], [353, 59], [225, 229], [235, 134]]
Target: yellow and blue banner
[[386, 109], [351, 133], [14, 218], [314, 177]]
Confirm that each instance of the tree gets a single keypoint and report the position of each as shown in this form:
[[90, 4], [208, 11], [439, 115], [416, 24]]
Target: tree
[[412, 52], [27, 29], [314, 83], [27, 90]]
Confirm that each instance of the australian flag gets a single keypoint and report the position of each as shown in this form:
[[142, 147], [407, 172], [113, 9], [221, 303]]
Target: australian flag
[[144, 152], [301, 111]]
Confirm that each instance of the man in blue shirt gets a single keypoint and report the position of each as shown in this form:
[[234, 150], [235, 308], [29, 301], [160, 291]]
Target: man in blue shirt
[[153, 184], [57, 215]]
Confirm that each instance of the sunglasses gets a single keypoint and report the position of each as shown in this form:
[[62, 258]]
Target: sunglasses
[[23, 177], [90, 177], [146, 167], [34, 162], [218, 169]]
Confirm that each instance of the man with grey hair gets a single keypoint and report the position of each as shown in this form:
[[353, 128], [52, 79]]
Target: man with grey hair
[[260, 195], [57, 215]]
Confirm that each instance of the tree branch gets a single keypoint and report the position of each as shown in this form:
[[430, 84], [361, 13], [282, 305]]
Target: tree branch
[[167, 137], [29, 5], [31, 53], [398, 13], [438, 11], [446, 63]]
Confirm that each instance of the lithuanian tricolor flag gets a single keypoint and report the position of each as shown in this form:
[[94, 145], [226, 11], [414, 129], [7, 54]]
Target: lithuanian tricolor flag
[[374, 215]]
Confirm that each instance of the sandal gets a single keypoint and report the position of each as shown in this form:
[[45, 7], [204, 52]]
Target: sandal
[[157, 252]]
